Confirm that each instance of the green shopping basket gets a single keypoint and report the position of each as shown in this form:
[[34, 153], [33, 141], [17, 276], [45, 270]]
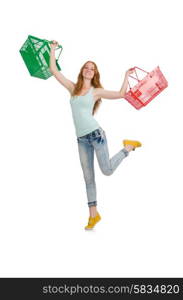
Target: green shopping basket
[[36, 55]]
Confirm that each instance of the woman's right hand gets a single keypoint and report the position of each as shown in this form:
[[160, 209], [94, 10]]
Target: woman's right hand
[[53, 44]]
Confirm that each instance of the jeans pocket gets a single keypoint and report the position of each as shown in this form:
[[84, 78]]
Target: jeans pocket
[[101, 138]]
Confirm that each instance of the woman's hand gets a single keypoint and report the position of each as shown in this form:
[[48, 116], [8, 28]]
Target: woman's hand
[[53, 44], [130, 71]]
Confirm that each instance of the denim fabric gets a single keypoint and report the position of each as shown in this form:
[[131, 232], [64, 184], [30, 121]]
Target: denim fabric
[[96, 140]]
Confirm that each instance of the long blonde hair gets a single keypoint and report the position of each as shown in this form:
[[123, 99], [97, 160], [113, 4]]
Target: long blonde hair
[[95, 82]]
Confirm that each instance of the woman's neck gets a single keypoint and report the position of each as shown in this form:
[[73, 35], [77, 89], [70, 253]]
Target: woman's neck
[[86, 85]]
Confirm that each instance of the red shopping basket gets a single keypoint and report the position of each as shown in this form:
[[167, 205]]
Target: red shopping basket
[[147, 88]]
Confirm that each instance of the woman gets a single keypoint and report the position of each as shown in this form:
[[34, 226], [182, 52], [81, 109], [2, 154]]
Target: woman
[[85, 100]]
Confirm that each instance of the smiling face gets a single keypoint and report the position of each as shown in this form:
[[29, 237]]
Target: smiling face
[[88, 70]]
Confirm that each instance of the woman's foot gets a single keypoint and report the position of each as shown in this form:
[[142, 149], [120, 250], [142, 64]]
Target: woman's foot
[[131, 145], [93, 221]]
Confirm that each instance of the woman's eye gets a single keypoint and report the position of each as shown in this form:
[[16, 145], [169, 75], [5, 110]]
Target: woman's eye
[[89, 69]]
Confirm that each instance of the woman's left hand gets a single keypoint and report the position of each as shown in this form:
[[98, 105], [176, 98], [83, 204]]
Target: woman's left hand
[[130, 71]]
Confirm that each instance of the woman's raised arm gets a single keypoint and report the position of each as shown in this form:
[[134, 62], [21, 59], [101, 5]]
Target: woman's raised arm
[[101, 93], [68, 84]]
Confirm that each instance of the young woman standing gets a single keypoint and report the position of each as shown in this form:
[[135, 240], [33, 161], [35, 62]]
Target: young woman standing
[[85, 100]]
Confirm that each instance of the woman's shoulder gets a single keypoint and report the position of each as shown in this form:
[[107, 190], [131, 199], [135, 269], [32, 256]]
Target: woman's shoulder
[[96, 91]]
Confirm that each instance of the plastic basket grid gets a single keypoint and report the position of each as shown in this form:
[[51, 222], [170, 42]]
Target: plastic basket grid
[[147, 88], [36, 55]]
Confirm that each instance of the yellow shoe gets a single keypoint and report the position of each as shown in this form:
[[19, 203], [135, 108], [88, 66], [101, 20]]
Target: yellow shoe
[[133, 143], [93, 221]]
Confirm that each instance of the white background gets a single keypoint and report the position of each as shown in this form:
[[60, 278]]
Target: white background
[[43, 204]]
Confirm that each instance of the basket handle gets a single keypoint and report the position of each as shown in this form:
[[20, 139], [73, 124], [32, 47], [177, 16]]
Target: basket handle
[[136, 75], [59, 46], [50, 42]]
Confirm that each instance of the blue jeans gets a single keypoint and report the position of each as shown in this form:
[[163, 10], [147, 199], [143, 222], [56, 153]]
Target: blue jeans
[[96, 140]]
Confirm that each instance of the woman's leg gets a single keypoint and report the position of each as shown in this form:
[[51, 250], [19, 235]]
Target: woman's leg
[[107, 165], [93, 210], [86, 155]]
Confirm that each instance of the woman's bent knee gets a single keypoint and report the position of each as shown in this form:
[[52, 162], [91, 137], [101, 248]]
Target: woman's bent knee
[[107, 172]]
